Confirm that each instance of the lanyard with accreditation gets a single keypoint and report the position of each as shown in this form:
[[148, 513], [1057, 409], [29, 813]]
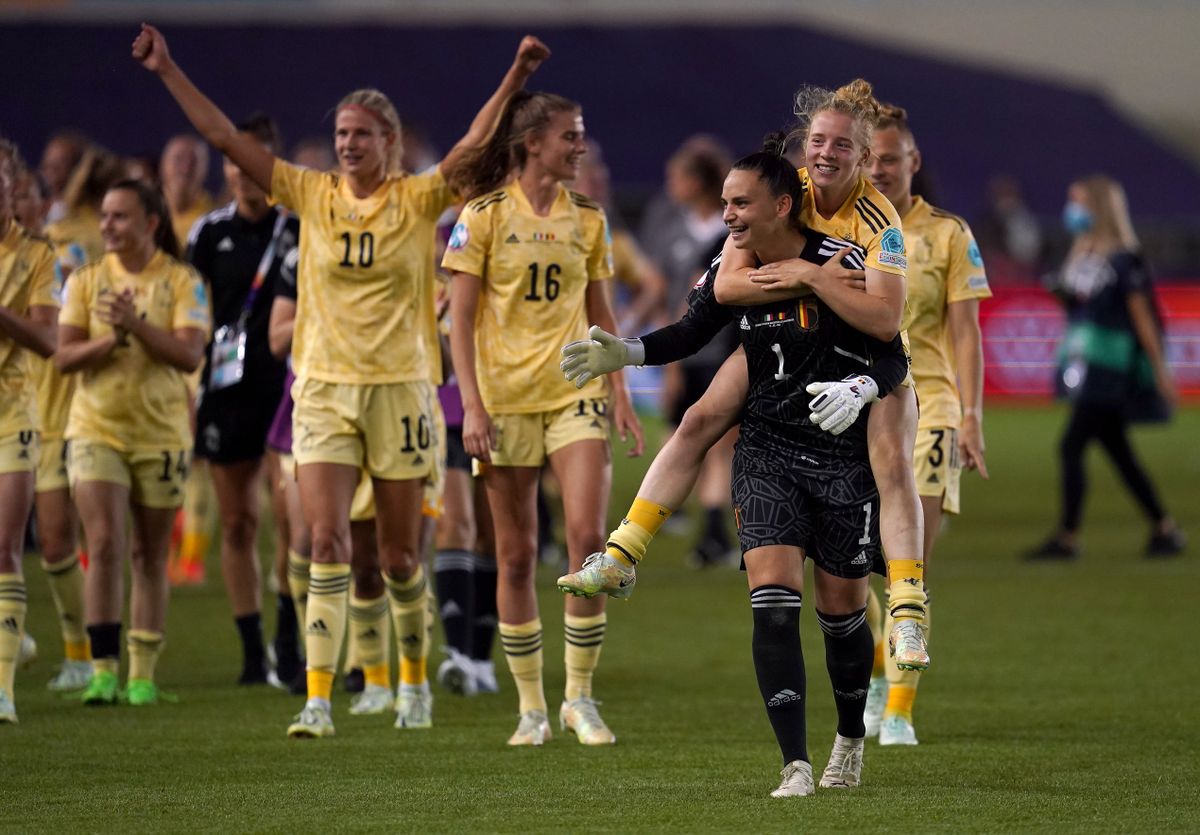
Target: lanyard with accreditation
[[229, 341]]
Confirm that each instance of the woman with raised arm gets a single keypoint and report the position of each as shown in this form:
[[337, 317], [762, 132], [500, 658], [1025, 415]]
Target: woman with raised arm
[[363, 396]]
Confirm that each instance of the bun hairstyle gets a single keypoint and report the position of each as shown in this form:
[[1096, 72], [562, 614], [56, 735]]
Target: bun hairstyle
[[776, 172], [856, 100], [893, 116], [384, 112], [155, 205]]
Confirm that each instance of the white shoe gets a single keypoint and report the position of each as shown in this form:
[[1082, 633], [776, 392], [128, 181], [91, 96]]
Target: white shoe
[[414, 706], [533, 729], [372, 701], [908, 645], [581, 717], [72, 675], [312, 722], [485, 677], [876, 702], [601, 574], [797, 780], [28, 652], [845, 764], [896, 730], [457, 674]]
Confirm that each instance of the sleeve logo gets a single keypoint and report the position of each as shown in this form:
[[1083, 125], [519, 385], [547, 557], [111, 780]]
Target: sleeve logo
[[973, 254], [458, 237], [892, 241]]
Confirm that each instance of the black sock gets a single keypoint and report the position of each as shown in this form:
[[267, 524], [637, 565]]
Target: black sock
[[453, 580], [779, 665], [485, 617], [287, 648], [105, 639], [849, 656], [714, 528], [249, 627]]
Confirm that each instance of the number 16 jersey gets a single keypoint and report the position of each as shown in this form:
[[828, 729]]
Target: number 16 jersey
[[535, 273]]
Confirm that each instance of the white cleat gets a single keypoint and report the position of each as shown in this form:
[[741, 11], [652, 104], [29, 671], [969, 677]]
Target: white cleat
[[485, 676], [601, 574], [533, 729], [844, 770], [312, 722], [414, 706], [797, 780], [582, 718], [72, 676], [896, 730], [372, 701], [876, 702], [908, 646], [28, 652], [457, 674]]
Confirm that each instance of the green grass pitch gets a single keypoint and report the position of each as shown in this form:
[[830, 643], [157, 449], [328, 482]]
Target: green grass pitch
[[1061, 698]]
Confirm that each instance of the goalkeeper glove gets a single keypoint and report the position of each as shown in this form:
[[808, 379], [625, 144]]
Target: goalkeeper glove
[[837, 405], [601, 353]]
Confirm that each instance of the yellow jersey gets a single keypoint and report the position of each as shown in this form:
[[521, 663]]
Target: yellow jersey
[[867, 219], [365, 279], [134, 402], [944, 267], [76, 238], [535, 273], [628, 260], [29, 277], [183, 222]]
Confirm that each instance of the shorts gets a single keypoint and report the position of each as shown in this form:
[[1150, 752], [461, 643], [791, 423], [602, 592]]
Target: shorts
[[527, 440], [232, 428], [389, 430], [19, 452], [52, 466], [154, 478], [936, 465], [832, 512], [456, 454], [363, 505]]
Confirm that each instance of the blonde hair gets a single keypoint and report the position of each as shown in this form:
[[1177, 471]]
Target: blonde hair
[[1112, 228], [893, 116], [855, 100], [381, 107]]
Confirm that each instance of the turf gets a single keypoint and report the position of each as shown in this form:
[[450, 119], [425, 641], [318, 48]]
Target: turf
[[1062, 698]]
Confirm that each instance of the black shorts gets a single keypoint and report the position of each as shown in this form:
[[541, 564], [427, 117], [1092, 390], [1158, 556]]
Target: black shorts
[[829, 508], [232, 424], [456, 453]]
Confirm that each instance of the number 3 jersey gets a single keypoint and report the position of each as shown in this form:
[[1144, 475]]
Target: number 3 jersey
[[535, 273]]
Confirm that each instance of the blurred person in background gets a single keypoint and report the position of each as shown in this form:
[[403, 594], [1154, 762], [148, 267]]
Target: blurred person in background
[[76, 234], [1113, 370], [1009, 236], [60, 157], [182, 171]]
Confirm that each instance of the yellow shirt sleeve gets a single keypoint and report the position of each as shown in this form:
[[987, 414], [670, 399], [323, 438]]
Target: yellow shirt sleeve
[[293, 186], [600, 256], [46, 282], [966, 278], [469, 244], [191, 308], [886, 253], [77, 299], [430, 193]]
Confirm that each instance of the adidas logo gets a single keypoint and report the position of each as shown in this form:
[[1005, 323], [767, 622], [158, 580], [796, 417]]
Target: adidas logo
[[933, 479], [226, 244], [452, 610], [861, 559], [745, 324], [783, 697], [369, 634], [318, 627], [24, 455], [512, 239], [9, 624], [595, 423], [411, 640], [418, 460]]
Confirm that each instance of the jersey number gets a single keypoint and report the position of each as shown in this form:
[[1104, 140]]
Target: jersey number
[[865, 539], [179, 465], [422, 434], [550, 283], [366, 250], [599, 407], [779, 375]]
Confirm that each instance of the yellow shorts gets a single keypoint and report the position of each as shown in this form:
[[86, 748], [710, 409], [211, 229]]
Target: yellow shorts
[[387, 430], [154, 479], [52, 466], [527, 440], [935, 462], [19, 452], [363, 506]]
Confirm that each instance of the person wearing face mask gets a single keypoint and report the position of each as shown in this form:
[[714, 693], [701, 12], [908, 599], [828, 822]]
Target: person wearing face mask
[[1113, 369]]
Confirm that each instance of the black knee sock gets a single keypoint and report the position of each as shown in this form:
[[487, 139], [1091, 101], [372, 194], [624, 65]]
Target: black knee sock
[[105, 640], [249, 627], [485, 617], [779, 665], [454, 582], [714, 528], [849, 656], [287, 648]]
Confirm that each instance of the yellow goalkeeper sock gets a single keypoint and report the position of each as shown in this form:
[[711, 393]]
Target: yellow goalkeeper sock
[[628, 543], [906, 589]]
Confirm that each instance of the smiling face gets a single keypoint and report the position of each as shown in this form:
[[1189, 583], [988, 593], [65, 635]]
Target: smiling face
[[751, 212], [833, 154], [559, 148], [362, 144], [124, 224], [894, 161]]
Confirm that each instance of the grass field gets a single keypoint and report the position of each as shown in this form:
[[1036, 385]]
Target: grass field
[[1062, 698]]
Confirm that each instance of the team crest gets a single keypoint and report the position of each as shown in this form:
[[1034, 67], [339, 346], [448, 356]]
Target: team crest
[[806, 315], [458, 237]]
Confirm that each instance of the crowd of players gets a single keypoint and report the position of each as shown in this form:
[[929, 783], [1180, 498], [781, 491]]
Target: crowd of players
[[307, 340]]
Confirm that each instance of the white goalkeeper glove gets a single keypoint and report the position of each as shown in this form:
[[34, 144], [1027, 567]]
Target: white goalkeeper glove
[[601, 353], [837, 405]]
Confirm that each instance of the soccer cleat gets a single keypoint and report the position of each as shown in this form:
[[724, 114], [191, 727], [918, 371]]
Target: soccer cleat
[[533, 729], [1167, 544], [845, 764], [1052, 549], [8, 710], [457, 675], [140, 692], [601, 574], [797, 780], [485, 676], [72, 676], [372, 701], [312, 722], [101, 689], [896, 730], [876, 702], [414, 706], [581, 717], [28, 652], [907, 643]]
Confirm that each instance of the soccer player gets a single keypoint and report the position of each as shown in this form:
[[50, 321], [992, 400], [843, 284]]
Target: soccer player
[[946, 282], [29, 290], [182, 171], [530, 260], [133, 326], [240, 249], [363, 397]]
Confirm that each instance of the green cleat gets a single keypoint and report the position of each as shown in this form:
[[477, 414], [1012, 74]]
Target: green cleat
[[601, 574], [140, 692], [101, 689], [907, 643]]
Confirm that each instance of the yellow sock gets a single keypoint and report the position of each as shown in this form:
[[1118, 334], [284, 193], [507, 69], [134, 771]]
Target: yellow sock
[[369, 638], [106, 665], [522, 644], [409, 611], [66, 587], [906, 589], [200, 515], [628, 543], [144, 647], [298, 567], [12, 627], [325, 625], [904, 682], [585, 636]]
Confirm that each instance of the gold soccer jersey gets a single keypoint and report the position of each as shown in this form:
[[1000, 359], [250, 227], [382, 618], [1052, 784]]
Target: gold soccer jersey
[[867, 219], [535, 273], [944, 267], [365, 274], [28, 278], [76, 238], [133, 402]]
